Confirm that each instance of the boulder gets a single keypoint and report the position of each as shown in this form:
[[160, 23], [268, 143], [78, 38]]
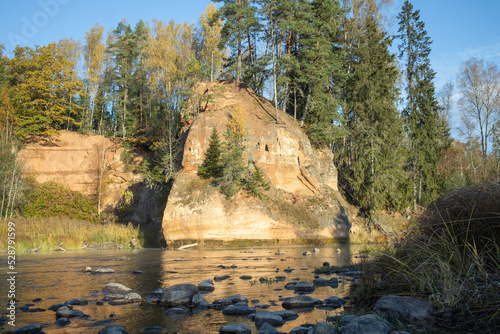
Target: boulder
[[66, 312], [206, 285], [324, 327], [179, 295], [335, 302], [81, 302], [366, 324], [332, 282], [298, 302], [62, 322], [266, 328], [287, 314], [406, 309], [235, 329], [29, 329], [303, 287], [237, 298], [104, 271], [238, 310], [113, 329], [116, 288], [271, 318]]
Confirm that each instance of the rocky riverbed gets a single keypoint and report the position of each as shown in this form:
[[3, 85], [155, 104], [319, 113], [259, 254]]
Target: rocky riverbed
[[249, 291]]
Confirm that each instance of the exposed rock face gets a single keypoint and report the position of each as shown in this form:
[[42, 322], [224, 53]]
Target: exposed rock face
[[76, 161], [303, 201]]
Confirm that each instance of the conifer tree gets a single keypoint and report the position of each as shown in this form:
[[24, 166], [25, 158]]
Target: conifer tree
[[239, 33], [428, 138], [373, 162], [211, 166], [320, 71], [233, 168]]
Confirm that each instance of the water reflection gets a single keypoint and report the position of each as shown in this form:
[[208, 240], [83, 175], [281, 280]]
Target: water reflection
[[57, 277]]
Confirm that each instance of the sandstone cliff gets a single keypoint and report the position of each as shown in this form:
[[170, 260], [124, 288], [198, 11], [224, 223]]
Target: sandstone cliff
[[79, 161], [303, 201]]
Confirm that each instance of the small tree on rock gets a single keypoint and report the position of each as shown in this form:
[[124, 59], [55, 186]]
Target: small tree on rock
[[212, 165]]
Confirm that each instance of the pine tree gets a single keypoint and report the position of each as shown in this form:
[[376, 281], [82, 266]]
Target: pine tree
[[373, 161], [256, 183], [428, 138], [233, 168], [211, 166], [320, 71], [239, 33]]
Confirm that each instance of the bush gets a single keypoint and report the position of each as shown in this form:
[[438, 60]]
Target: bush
[[56, 200]]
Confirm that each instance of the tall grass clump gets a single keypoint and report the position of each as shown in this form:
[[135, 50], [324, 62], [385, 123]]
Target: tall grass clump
[[451, 258], [70, 233]]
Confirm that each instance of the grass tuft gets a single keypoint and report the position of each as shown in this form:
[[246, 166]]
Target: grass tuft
[[451, 258]]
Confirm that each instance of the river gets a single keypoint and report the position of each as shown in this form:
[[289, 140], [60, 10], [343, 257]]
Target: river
[[59, 276]]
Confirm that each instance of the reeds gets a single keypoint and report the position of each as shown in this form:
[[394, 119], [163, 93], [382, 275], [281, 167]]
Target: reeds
[[72, 233]]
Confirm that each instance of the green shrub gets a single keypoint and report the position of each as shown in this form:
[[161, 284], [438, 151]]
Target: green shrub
[[56, 200]]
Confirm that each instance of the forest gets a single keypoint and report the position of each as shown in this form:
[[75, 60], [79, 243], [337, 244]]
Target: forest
[[325, 63]]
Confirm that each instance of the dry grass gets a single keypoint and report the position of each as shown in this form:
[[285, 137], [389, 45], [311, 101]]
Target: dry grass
[[50, 232], [451, 258]]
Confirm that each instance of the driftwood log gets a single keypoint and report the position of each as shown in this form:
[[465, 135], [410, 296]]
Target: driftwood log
[[188, 246]]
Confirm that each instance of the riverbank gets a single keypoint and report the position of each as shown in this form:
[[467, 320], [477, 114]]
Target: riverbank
[[47, 234]]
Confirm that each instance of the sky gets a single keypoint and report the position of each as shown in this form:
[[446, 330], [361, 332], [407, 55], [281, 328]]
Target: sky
[[459, 29]]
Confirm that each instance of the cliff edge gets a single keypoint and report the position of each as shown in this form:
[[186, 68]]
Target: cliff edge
[[303, 201]]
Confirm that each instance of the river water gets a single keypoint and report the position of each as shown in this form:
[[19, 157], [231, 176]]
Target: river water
[[59, 276]]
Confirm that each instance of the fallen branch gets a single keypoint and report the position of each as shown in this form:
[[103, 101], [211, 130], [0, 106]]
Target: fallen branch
[[34, 250], [188, 246]]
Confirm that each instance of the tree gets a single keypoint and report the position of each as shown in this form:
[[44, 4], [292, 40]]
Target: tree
[[373, 160], [94, 56], [233, 168], [211, 28], [211, 166], [445, 98], [428, 137], [479, 85], [43, 82], [321, 72], [238, 32]]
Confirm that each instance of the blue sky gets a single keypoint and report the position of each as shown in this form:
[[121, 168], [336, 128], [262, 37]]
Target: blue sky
[[460, 29]]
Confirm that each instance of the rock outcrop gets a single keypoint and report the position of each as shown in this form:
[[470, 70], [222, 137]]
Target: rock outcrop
[[79, 161], [303, 201]]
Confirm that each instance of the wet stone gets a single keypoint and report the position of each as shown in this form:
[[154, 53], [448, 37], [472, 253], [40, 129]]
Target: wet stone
[[269, 317], [54, 307], [221, 278], [238, 310], [287, 314], [117, 288], [29, 329], [81, 302], [62, 322], [245, 277], [66, 312], [235, 329], [237, 298], [113, 329], [303, 287], [137, 272], [153, 329], [298, 302]]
